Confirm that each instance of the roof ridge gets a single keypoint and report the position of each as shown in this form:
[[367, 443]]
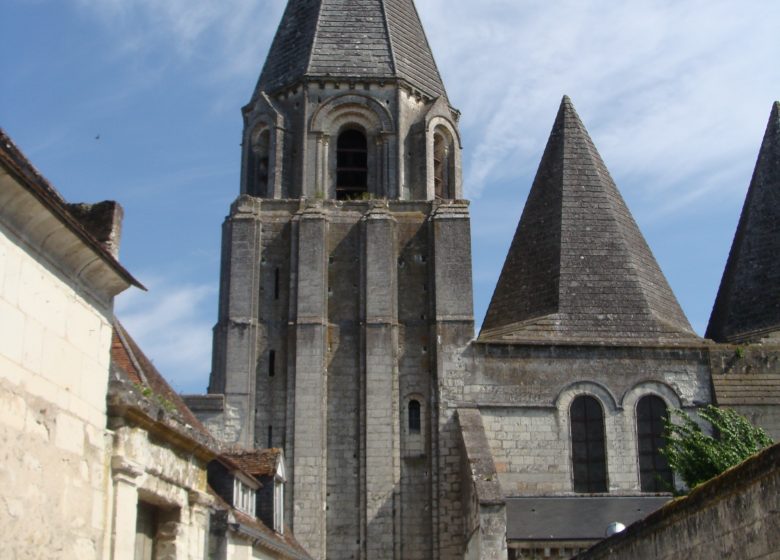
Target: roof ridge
[[389, 37], [314, 38]]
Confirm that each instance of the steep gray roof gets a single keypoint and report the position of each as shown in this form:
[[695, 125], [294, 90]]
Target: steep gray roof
[[748, 301], [578, 269], [360, 39]]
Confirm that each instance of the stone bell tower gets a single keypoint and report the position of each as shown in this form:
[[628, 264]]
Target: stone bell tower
[[345, 297]]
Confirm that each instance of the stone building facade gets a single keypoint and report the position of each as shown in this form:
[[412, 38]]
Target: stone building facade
[[346, 334]]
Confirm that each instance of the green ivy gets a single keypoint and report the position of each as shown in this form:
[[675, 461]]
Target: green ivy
[[696, 456]]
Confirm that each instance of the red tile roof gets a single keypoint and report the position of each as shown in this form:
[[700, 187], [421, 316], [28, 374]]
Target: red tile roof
[[257, 462]]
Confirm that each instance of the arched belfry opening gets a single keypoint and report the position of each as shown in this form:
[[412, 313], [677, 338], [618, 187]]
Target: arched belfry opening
[[260, 163], [443, 164], [351, 165]]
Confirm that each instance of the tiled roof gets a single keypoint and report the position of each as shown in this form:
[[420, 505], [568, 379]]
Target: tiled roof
[[129, 359], [578, 269], [257, 462], [748, 301], [746, 389], [359, 39]]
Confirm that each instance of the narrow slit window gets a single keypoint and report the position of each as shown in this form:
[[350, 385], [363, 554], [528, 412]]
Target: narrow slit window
[[589, 458], [351, 165], [655, 475], [276, 283], [414, 417], [271, 363]]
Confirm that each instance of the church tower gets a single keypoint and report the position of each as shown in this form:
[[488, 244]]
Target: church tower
[[345, 294]]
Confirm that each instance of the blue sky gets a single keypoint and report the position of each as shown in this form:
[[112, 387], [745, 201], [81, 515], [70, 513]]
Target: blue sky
[[139, 101]]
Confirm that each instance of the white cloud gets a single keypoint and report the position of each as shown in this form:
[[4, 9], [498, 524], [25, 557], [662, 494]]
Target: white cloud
[[665, 87], [169, 324], [235, 31]]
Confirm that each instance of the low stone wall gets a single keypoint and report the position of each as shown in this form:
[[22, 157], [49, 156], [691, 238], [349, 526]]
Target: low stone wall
[[736, 515]]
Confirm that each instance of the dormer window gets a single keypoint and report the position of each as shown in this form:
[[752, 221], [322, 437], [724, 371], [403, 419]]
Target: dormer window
[[243, 497], [351, 165]]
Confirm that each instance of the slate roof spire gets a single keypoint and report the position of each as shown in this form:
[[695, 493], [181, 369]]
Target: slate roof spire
[[748, 302], [351, 39], [578, 269]]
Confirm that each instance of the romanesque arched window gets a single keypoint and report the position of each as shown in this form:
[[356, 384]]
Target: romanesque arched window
[[259, 167], [443, 173], [415, 420], [351, 165], [589, 458], [654, 472]]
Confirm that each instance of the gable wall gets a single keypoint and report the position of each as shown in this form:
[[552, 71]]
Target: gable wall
[[54, 361]]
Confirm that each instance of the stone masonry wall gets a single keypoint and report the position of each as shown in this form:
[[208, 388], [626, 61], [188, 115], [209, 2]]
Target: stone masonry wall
[[524, 394], [732, 516], [54, 360]]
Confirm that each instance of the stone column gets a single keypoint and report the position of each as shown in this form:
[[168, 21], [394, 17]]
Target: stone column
[[199, 503], [311, 383], [125, 474], [381, 447]]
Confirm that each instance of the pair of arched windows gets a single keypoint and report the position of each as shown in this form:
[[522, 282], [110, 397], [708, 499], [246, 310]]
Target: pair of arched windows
[[589, 458]]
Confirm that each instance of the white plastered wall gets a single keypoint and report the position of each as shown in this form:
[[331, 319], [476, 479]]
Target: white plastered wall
[[54, 362]]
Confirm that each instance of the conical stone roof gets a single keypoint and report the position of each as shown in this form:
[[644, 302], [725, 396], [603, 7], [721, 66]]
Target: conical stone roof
[[748, 301], [578, 269], [351, 39]]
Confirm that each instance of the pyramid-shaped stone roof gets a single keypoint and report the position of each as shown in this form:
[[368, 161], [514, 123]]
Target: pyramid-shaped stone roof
[[578, 269], [351, 39], [748, 301]]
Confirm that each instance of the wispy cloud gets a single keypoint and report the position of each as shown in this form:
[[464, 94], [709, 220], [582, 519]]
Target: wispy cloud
[[169, 324], [234, 31], [665, 87]]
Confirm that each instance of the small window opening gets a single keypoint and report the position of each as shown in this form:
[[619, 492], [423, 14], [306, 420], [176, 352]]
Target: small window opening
[[655, 475], [589, 458], [351, 165], [260, 152], [276, 283], [442, 165], [414, 417], [271, 363]]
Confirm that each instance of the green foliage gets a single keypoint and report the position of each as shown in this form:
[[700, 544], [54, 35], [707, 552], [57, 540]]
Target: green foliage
[[698, 457]]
